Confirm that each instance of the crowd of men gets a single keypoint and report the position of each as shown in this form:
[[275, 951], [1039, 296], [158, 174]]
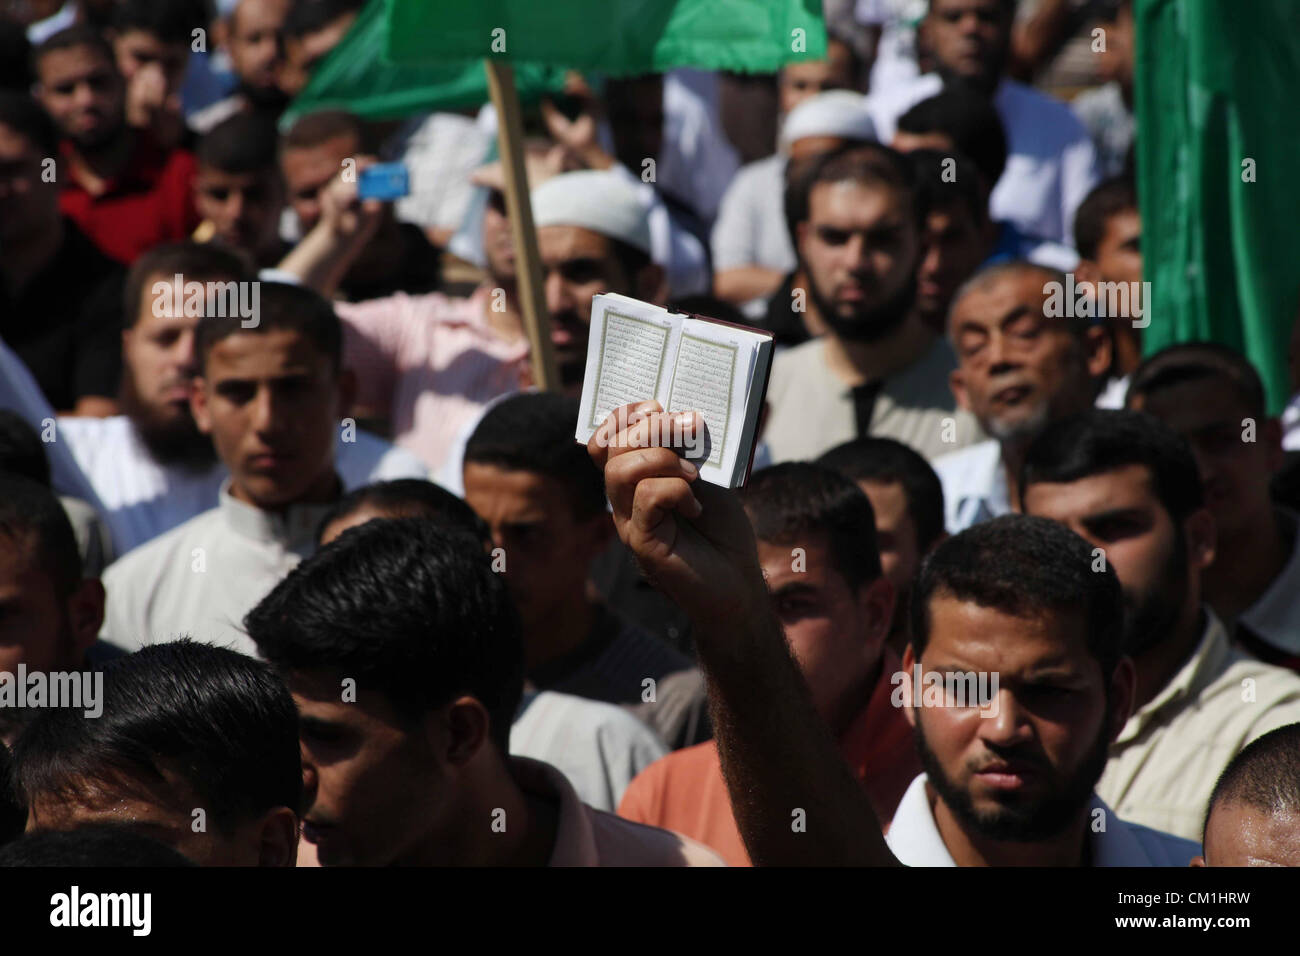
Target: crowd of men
[[347, 591]]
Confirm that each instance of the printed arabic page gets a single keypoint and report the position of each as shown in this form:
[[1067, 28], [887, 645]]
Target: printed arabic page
[[711, 376], [629, 358]]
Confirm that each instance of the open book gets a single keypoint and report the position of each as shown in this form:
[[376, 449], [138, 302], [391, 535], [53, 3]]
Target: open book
[[638, 351]]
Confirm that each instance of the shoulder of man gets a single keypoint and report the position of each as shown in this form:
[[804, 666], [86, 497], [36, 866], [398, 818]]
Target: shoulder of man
[[637, 844]]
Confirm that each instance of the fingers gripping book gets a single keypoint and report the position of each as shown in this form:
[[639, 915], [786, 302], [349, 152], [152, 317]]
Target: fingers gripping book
[[638, 351]]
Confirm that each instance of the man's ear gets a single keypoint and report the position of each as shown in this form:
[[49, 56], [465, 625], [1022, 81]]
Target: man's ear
[[86, 613], [1098, 350], [600, 530], [464, 730], [1201, 537], [199, 404], [876, 601], [1198, 860], [652, 283], [277, 838], [909, 662], [1123, 685], [957, 384]]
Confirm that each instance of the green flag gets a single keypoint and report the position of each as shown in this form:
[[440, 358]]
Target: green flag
[[615, 37], [1215, 99], [356, 77]]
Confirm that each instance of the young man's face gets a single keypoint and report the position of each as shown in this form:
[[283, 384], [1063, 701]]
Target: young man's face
[[28, 204], [374, 786], [969, 39], [859, 248], [39, 627], [548, 548], [1019, 369], [271, 401], [1238, 834], [835, 633], [255, 43], [83, 93], [244, 207], [801, 81], [954, 243], [139, 52], [1235, 473], [1119, 254], [900, 553], [303, 53], [1026, 771], [1119, 512], [310, 169]]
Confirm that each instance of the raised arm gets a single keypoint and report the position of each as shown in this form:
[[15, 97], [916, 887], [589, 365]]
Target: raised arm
[[694, 542]]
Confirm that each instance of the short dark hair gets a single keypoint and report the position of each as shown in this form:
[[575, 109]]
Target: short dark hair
[[891, 462], [1020, 565], [13, 814], [242, 143], [533, 431], [1195, 361], [32, 514], [407, 608], [171, 21], [868, 163], [1102, 440], [197, 261], [409, 498], [1264, 775], [79, 34], [940, 191], [281, 306], [1108, 198], [26, 117], [21, 451], [92, 845], [221, 720], [789, 502], [970, 121], [320, 126], [309, 16]]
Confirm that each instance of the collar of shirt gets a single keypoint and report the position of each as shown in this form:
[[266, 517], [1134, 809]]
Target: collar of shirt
[[294, 528], [914, 837], [1275, 615], [575, 841], [1205, 663], [974, 483]]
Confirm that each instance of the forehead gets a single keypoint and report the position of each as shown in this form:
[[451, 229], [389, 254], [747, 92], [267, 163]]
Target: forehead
[[73, 62], [315, 160], [318, 695], [490, 488], [1122, 226], [211, 175], [259, 14], [888, 501], [946, 7], [989, 302], [1129, 486], [255, 354], [1189, 406], [142, 41], [963, 632], [562, 243], [848, 201], [1242, 835], [778, 561]]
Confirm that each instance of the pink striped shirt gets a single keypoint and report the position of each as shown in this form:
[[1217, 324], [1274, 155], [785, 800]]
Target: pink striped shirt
[[429, 363]]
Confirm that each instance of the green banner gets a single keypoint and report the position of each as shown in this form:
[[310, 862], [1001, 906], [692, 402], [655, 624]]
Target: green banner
[[615, 37], [1216, 83]]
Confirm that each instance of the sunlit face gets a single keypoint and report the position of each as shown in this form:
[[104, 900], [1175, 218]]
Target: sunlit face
[[1238, 834], [375, 788], [244, 208], [1026, 770], [835, 633], [801, 81], [968, 38], [954, 243], [271, 402], [83, 93]]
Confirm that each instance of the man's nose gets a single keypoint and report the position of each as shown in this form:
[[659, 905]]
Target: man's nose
[[1004, 723], [558, 298]]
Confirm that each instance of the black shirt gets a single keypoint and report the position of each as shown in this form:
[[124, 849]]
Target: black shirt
[[66, 323]]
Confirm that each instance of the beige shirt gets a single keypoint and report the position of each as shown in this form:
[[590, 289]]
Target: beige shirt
[[200, 579], [1167, 759], [810, 410]]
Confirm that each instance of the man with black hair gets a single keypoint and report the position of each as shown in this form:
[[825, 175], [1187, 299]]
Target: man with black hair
[[252, 34], [151, 467], [197, 746], [1019, 371], [1009, 779], [879, 370], [124, 189], [412, 764], [1129, 486], [545, 508], [237, 188], [311, 30], [151, 43], [1254, 813], [105, 844], [1213, 397], [907, 501], [817, 548], [1108, 235], [1051, 163], [50, 611], [270, 395], [58, 293]]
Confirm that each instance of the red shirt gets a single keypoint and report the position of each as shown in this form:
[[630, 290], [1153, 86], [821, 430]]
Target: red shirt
[[684, 792], [150, 201]]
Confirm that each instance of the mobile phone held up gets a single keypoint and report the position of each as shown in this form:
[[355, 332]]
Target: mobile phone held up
[[384, 181]]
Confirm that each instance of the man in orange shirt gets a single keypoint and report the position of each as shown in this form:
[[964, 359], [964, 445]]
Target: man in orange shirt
[[817, 545]]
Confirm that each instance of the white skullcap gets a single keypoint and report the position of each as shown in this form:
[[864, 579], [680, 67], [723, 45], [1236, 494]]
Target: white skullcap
[[594, 199], [841, 113]]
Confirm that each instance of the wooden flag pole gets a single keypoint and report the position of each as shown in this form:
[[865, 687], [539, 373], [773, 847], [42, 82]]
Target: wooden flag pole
[[528, 262]]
